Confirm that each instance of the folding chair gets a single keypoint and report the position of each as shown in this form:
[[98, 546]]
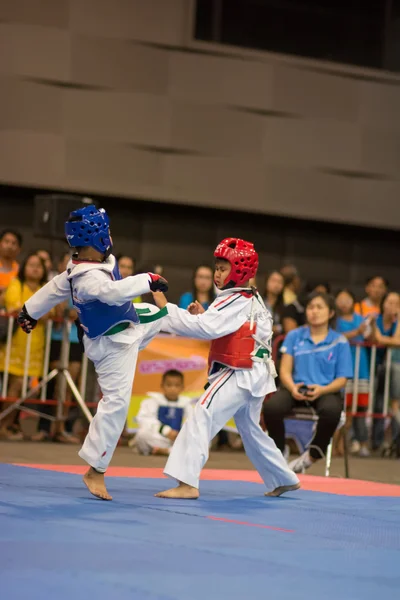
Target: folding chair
[[305, 413]]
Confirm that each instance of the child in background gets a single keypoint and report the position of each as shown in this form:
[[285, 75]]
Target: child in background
[[354, 328], [161, 415]]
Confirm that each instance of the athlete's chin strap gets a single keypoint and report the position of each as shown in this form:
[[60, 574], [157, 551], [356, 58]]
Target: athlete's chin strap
[[107, 253], [105, 256], [228, 286]]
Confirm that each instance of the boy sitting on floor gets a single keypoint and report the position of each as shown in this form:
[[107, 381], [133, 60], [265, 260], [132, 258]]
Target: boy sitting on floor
[[161, 415]]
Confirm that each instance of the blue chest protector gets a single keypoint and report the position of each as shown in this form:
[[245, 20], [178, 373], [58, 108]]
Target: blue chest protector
[[97, 318], [171, 415]]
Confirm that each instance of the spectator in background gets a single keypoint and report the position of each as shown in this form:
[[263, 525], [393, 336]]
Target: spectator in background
[[63, 429], [294, 314], [376, 288], [126, 266], [386, 332], [354, 328], [387, 321], [10, 247], [32, 276], [316, 364], [292, 283], [48, 261], [203, 288], [161, 415], [273, 299]]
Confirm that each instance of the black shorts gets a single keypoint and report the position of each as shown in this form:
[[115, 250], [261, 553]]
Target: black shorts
[[75, 352]]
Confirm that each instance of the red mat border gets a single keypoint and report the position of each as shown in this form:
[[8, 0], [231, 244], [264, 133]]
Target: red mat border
[[328, 485]]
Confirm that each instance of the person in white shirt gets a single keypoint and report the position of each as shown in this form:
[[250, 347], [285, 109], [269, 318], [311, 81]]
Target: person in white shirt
[[109, 324], [161, 415], [241, 374]]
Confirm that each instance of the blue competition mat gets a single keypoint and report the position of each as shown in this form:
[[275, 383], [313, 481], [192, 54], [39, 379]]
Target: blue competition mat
[[57, 541]]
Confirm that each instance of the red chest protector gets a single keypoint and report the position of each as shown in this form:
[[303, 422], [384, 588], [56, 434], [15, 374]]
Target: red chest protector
[[234, 350]]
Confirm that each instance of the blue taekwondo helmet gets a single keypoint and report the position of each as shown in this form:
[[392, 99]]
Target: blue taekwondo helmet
[[89, 226]]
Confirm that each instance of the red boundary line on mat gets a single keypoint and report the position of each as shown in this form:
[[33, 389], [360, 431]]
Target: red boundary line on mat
[[313, 483], [250, 524]]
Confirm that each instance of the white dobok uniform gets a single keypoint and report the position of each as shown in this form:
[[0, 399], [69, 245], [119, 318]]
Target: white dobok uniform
[[232, 392], [157, 417], [114, 356]]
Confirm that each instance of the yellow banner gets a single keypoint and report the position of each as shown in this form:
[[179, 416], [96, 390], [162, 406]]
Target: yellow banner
[[169, 352]]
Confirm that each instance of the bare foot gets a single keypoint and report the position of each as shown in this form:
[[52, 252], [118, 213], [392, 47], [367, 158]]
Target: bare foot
[[283, 489], [94, 482], [183, 490], [160, 451]]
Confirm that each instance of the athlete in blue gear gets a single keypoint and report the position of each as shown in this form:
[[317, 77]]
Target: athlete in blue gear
[[110, 326]]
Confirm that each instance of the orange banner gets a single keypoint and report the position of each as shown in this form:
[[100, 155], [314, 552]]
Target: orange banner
[[170, 352], [163, 353]]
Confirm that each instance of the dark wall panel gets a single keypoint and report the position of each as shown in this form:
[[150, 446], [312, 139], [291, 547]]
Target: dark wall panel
[[180, 238]]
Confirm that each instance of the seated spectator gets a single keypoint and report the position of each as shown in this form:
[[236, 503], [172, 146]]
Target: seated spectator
[[48, 261], [376, 289], [32, 276], [292, 284], [316, 364], [161, 415], [354, 328], [10, 247], [294, 314], [273, 299], [62, 429], [386, 332], [203, 288], [126, 266]]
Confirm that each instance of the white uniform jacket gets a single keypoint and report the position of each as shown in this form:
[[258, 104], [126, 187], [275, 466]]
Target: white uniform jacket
[[158, 415], [229, 311]]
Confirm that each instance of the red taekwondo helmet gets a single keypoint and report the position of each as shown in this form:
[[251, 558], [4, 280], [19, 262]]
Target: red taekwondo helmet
[[242, 257]]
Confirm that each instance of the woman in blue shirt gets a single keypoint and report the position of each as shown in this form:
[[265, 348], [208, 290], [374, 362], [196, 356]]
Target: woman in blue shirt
[[316, 364], [354, 327], [203, 288]]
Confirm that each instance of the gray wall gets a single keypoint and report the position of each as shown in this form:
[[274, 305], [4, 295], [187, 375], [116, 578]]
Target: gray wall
[[114, 97], [182, 237]]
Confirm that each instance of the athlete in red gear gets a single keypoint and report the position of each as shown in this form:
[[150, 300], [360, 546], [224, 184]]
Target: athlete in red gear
[[241, 374]]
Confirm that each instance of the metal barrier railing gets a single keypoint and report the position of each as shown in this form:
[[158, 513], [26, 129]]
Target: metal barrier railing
[[37, 395], [277, 342]]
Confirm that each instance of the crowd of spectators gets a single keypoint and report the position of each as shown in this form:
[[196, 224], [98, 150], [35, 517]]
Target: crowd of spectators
[[374, 319]]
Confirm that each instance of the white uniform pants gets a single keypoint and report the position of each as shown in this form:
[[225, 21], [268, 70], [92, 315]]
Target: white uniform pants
[[115, 364], [146, 440], [219, 403]]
